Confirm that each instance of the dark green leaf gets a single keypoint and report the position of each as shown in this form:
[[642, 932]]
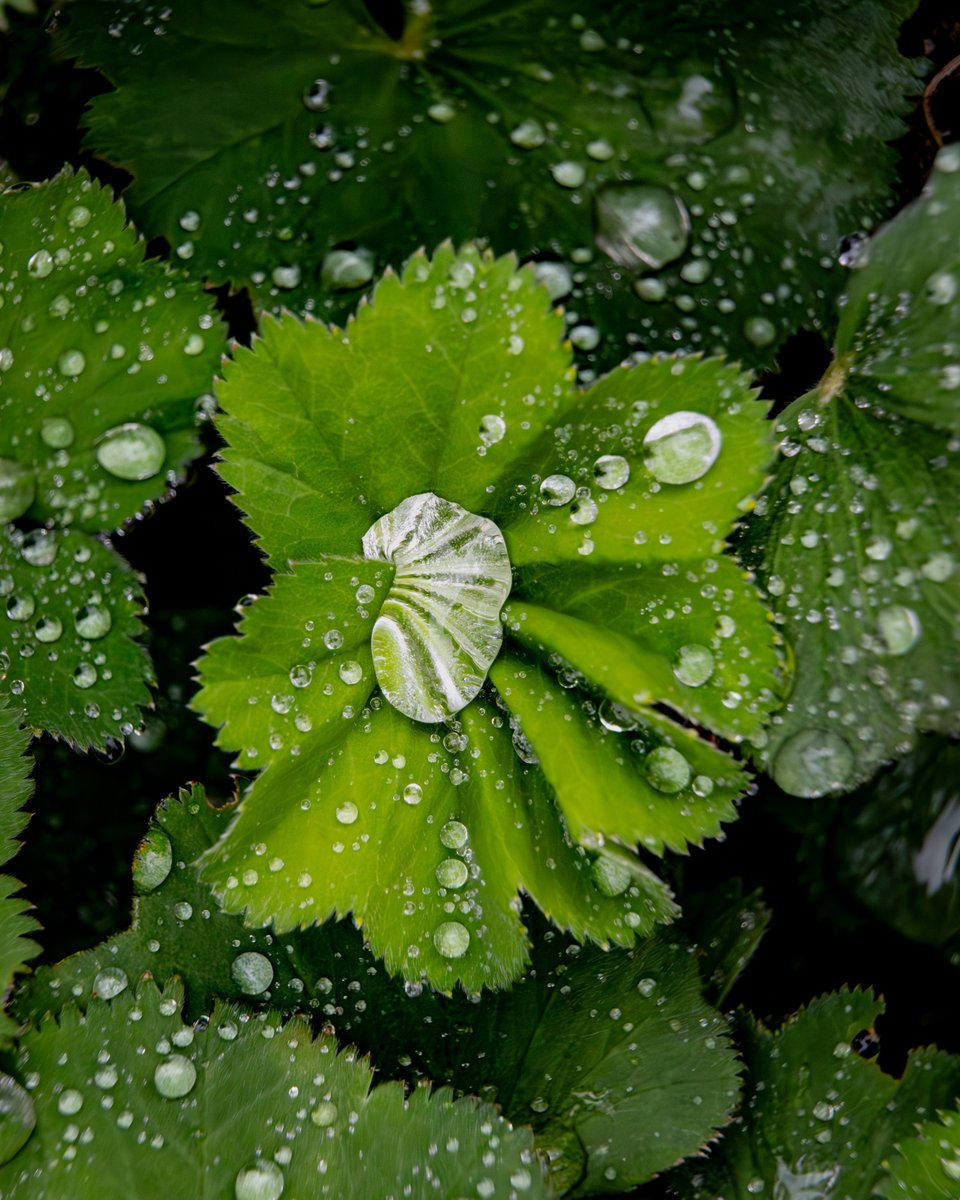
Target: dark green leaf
[[643, 1072], [624, 617], [67, 643], [132, 1102], [15, 790], [104, 358], [688, 170], [856, 540], [817, 1119]]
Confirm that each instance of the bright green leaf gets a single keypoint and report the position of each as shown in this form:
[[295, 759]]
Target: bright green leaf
[[240, 1106], [67, 642], [857, 539], [687, 172], [623, 613], [642, 1074], [927, 1167], [104, 358], [15, 789], [817, 1119]]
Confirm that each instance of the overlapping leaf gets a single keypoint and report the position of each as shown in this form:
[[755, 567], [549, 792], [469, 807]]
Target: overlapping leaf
[[858, 536], [103, 357], [454, 383], [689, 169], [818, 1119], [67, 649], [130, 1101], [15, 789], [613, 1058], [927, 1167]]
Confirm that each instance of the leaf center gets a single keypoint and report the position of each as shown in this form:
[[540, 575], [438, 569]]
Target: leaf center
[[439, 629]]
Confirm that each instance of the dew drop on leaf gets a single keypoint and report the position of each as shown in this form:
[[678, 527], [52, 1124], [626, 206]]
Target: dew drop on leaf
[[17, 489], [641, 227], [610, 877], [454, 835], [694, 665], [667, 770], [324, 1114], [261, 1182], [175, 1077], [611, 471], [85, 675], [451, 939], [439, 628], [812, 763], [93, 621], [682, 447], [131, 451], [57, 433], [557, 490], [17, 1117], [252, 972], [899, 627], [110, 982], [452, 873]]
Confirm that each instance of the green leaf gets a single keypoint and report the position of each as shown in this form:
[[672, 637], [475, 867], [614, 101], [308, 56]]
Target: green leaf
[[687, 171], [856, 540], [240, 1106], [727, 927], [104, 357], [927, 1167], [624, 616], [15, 789], [67, 643], [897, 332], [643, 1071], [817, 1119]]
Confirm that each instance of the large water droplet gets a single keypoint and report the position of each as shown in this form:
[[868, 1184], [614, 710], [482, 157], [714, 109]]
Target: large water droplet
[[693, 665], [72, 362], [344, 270], [48, 629], [452, 939], [132, 451], [667, 770], [93, 621], [688, 102], [454, 835], [40, 547], [452, 873], [813, 762], [110, 982], [262, 1182], [40, 264], [439, 628], [57, 433], [899, 627], [18, 486], [324, 1114], [611, 471], [175, 1077], [252, 972], [17, 1117], [21, 606], [69, 1102], [610, 878], [641, 227], [682, 447], [557, 490]]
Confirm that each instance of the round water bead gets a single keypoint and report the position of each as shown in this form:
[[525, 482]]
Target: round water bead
[[452, 873], [452, 939], [152, 861], [693, 665], [682, 447], [261, 1182], [131, 451], [18, 486], [175, 1077], [557, 490], [252, 972], [812, 763], [667, 770], [110, 982], [610, 877], [611, 471], [641, 227], [899, 627]]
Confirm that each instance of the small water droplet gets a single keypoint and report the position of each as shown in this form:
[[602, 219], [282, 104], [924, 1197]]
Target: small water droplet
[[72, 363], [48, 629], [85, 675], [350, 672], [18, 486], [569, 174], [611, 471], [316, 95], [93, 621], [70, 1101], [152, 861], [57, 433], [347, 813], [610, 878], [528, 135], [557, 490], [899, 627], [454, 835], [324, 1114], [345, 270], [413, 793]]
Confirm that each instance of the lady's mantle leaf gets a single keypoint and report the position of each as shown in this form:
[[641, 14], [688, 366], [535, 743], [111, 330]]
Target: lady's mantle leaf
[[132, 1102], [857, 539], [817, 1119], [927, 1167], [103, 357], [623, 613], [688, 169], [15, 790], [613, 1058], [70, 613]]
